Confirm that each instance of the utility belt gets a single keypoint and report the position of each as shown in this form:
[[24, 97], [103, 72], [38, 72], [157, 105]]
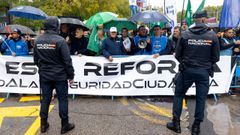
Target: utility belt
[[183, 66]]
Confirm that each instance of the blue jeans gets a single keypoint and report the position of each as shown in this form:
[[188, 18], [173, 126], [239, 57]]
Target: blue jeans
[[133, 9], [185, 80], [62, 94]]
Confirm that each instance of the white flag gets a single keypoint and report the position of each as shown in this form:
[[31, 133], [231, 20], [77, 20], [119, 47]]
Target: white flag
[[171, 11], [133, 2]]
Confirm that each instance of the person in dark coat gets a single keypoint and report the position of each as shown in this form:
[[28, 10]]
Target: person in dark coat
[[197, 52], [112, 45], [174, 38], [128, 43], [78, 45], [229, 45], [64, 31], [52, 56], [143, 36]]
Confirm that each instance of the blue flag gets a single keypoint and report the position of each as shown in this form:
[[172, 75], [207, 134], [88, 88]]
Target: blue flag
[[230, 16]]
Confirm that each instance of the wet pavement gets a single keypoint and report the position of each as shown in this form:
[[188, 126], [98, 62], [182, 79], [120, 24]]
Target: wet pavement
[[122, 116], [225, 115]]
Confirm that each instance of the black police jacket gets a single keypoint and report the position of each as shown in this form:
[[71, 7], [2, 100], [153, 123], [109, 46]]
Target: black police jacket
[[52, 55], [198, 47]]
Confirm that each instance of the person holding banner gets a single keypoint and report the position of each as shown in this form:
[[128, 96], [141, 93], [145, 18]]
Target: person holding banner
[[78, 45], [14, 45], [127, 43], [52, 56], [198, 50], [160, 44], [112, 45]]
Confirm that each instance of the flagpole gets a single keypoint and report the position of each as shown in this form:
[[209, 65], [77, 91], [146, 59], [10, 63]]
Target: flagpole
[[164, 7], [182, 15], [6, 44]]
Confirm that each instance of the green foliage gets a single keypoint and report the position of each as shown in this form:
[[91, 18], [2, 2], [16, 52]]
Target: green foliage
[[179, 14], [75, 8], [34, 25], [84, 8], [213, 11]]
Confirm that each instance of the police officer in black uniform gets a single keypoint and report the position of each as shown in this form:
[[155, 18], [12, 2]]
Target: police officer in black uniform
[[198, 50], [52, 56]]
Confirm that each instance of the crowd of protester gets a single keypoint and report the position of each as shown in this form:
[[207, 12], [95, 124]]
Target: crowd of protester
[[161, 41]]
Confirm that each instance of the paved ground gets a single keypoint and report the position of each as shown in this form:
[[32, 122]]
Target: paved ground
[[123, 116]]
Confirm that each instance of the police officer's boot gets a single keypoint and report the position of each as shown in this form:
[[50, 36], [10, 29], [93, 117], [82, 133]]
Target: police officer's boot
[[196, 128], [174, 125], [44, 125], [66, 126]]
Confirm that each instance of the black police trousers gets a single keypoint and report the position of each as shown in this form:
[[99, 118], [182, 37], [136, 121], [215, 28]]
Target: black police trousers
[[185, 80], [46, 88]]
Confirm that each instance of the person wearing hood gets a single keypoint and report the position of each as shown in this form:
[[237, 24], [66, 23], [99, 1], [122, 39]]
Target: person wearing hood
[[228, 44], [52, 56], [15, 45], [142, 42], [197, 52]]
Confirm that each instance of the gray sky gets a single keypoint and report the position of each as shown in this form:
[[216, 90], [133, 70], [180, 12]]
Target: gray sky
[[195, 3]]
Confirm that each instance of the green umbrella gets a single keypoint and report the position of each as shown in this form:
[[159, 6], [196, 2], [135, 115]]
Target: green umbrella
[[100, 18], [92, 22], [120, 23]]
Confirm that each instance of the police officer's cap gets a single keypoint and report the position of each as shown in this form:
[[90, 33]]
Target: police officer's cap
[[200, 14]]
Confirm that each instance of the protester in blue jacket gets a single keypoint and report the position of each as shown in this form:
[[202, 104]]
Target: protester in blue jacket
[[15, 45], [160, 44], [141, 39], [112, 45]]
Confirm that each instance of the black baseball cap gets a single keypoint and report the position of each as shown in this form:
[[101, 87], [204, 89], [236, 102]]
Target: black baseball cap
[[17, 31], [200, 14]]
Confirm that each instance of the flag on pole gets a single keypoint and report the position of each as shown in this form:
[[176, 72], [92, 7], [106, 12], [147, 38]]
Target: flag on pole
[[201, 6], [230, 16], [171, 11], [188, 15], [92, 45], [8, 29]]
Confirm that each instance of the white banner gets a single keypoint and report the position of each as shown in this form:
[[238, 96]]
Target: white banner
[[171, 11], [127, 76]]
